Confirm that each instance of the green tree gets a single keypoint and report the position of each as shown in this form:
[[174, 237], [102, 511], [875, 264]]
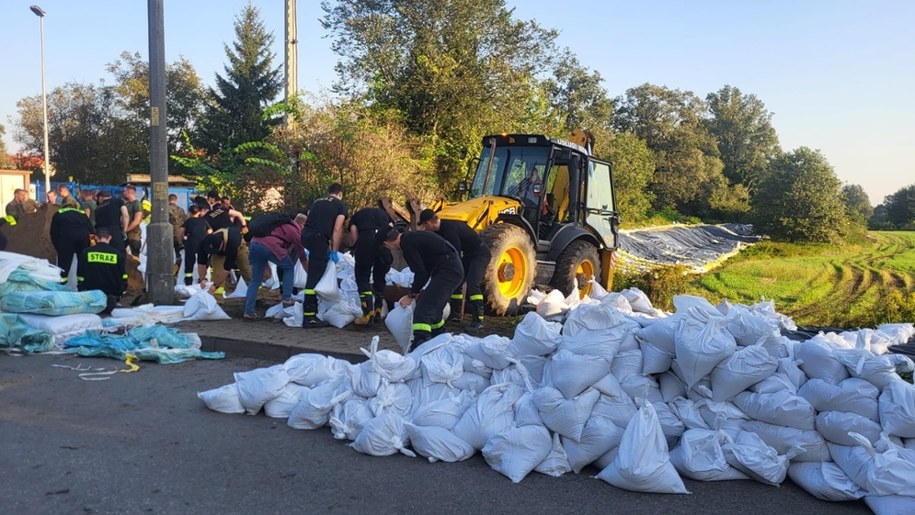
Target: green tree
[[900, 208], [455, 70], [742, 127], [800, 199], [578, 97], [858, 206], [633, 168], [5, 160], [235, 110]]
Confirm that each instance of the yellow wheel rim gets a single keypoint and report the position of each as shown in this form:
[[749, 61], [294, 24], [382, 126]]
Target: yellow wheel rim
[[584, 273], [511, 271]]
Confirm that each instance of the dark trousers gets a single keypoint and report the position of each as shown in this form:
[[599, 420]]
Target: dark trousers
[[428, 314], [318, 248], [190, 259], [68, 246], [373, 260], [474, 268]]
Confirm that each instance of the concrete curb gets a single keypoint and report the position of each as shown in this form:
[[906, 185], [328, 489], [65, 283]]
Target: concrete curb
[[266, 351]]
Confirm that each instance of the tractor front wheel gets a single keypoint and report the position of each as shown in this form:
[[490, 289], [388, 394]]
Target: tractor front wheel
[[510, 274]]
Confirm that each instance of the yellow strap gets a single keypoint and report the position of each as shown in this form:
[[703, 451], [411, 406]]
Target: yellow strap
[[130, 361]]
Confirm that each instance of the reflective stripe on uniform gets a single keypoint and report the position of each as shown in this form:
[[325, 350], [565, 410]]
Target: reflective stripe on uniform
[[124, 277], [437, 325], [478, 296], [80, 278], [102, 257], [457, 296], [422, 327], [309, 292]]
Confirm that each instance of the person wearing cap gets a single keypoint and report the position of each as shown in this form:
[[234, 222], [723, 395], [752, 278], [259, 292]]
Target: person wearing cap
[[475, 256], [432, 259], [367, 228], [321, 237], [135, 218], [70, 230], [103, 267], [111, 214]]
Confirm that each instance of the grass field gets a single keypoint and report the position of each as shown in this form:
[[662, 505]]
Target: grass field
[[842, 286]]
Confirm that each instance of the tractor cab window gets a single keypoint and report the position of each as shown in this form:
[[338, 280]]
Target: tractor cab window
[[514, 172], [600, 204]]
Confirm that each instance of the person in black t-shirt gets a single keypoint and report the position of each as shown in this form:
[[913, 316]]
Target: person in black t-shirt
[[103, 267], [70, 230], [220, 248], [196, 229], [321, 237], [475, 256], [367, 229], [111, 214], [432, 259]]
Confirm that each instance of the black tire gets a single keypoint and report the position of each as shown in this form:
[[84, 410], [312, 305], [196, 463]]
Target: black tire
[[512, 254], [579, 254]]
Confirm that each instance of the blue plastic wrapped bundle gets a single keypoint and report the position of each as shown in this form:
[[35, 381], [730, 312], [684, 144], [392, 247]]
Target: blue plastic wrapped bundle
[[15, 333], [21, 280], [54, 303], [154, 343]]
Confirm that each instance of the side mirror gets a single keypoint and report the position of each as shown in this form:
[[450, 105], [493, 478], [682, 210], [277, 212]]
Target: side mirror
[[537, 189], [462, 186]]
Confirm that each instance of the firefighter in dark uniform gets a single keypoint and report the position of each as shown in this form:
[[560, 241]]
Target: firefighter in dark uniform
[[368, 227], [432, 259], [103, 267], [475, 256], [70, 230], [321, 237], [220, 217], [220, 250], [111, 214], [195, 230]]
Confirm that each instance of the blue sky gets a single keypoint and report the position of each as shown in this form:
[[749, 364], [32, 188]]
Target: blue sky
[[839, 76]]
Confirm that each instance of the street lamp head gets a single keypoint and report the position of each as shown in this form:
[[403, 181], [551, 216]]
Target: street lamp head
[[38, 11]]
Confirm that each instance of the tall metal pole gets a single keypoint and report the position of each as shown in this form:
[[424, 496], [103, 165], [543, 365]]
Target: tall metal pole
[[44, 102], [292, 54], [160, 279]]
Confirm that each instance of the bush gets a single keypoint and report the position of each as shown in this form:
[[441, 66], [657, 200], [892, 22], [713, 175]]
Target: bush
[[660, 284]]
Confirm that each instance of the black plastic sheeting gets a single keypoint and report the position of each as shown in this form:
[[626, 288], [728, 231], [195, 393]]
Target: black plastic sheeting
[[695, 246]]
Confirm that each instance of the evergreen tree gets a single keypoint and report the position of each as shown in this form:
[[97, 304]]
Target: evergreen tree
[[234, 114]]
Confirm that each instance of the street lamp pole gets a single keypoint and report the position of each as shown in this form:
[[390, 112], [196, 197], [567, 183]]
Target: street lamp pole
[[44, 102]]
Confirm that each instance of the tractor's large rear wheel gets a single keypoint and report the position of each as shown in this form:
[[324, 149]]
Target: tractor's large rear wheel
[[579, 262], [510, 274]]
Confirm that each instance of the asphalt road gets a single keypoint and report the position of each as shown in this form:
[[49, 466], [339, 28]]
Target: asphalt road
[[143, 442]]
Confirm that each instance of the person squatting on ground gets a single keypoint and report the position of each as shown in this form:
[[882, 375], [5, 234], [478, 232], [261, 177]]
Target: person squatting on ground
[[475, 256], [225, 217], [21, 204], [368, 227], [432, 259], [195, 230], [134, 219], [70, 230], [111, 214], [282, 246], [321, 236], [103, 267], [221, 250]]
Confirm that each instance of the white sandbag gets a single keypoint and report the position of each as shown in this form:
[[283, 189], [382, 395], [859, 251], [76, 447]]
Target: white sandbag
[[688, 413], [526, 412], [471, 382], [313, 411], [642, 387], [402, 278], [392, 397], [309, 369], [825, 481], [595, 330], [224, 399], [810, 445], [383, 435], [659, 334], [437, 443], [443, 365], [203, 306], [300, 275], [791, 369], [534, 366], [626, 363], [643, 463], [748, 328], [818, 361], [400, 322], [493, 351], [671, 425], [510, 374], [898, 333], [443, 413], [535, 336], [491, 414], [741, 370], [779, 408], [749, 454], [517, 451], [897, 409], [423, 394], [599, 436], [639, 301], [282, 405], [835, 426], [893, 467], [725, 416], [565, 416], [700, 456], [144, 315], [348, 418], [256, 387], [340, 312], [671, 386], [890, 504], [614, 403], [556, 462], [63, 327], [654, 359], [364, 379], [877, 370], [241, 289], [327, 288], [701, 342], [552, 305], [572, 373], [390, 365], [855, 461], [853, 395]]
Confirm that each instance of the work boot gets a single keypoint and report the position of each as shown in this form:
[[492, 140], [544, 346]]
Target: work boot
[[310, 318], [457, 305], [476, 315], [188, 279], [379, 307], [368, 309]]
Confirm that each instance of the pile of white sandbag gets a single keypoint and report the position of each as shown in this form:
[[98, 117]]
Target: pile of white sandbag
[[708, 393]]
